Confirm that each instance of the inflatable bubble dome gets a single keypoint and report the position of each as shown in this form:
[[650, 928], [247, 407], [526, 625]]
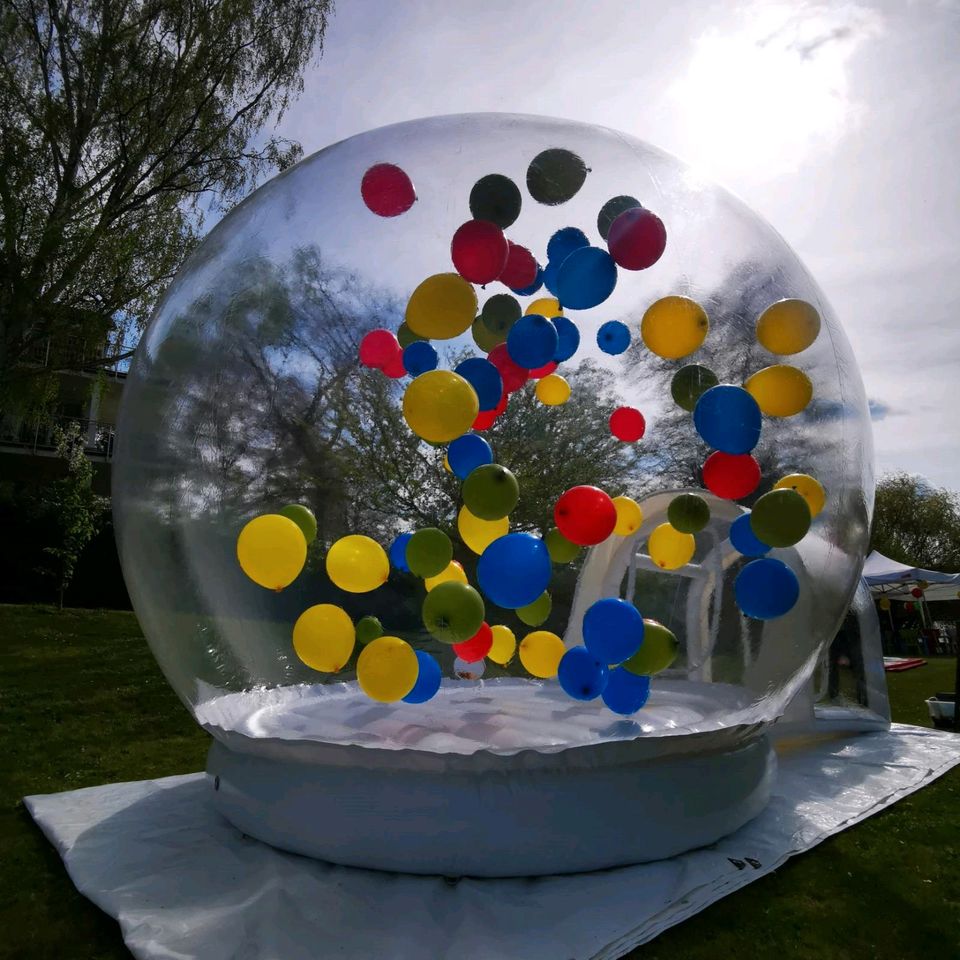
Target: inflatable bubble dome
[[498, 479]]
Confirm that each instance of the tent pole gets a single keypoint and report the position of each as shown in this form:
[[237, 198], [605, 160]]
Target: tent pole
[[956, 680]]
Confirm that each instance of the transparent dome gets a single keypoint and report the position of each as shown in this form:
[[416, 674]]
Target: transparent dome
[[247, 395]]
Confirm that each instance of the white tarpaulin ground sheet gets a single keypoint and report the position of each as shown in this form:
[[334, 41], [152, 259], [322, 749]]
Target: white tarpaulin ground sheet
[[183, 883]]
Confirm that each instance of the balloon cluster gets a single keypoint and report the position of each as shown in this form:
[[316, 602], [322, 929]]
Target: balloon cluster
[[621, 650]]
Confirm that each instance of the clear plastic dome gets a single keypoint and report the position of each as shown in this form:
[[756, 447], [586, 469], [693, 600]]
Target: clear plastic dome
[[247, 395]]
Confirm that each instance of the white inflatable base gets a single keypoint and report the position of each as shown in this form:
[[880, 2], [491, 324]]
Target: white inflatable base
[[525, 782]]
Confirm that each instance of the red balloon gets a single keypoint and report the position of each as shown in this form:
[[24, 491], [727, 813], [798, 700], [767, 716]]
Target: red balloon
[[477, 647], [585, 515], [627, 424], [486, 418], [637, 239], [521, 268], [543, 371], [394, 367], [916, 592], [908, 606], [378, 348], [479, 251], [731, 475], [387, 190], [513, 375]]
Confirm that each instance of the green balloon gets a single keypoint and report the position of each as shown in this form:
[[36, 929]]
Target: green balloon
[[561, 549], [428, 552], [780, 518], [497, 199], [453, 612], [406, 336], [611, 210], [657, 651], [490, 492], [500, 313], [689, 383], [368, 628], [303, 517], [533, 614], [484, 337], [555, 176], [688, 513]]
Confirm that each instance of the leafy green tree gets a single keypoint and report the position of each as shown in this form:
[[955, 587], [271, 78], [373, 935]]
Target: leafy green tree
[[120, 124]]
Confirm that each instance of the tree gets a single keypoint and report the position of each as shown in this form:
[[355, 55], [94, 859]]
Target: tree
[[120, 124], [72, 507], [916, 523]]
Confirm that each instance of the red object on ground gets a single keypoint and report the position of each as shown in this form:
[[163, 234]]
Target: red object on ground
[[585, 515], [378, 348], [731, 475], [627, 424], [906, 663], [521, 267], [387, 190], [479, 251], [543, 371], [637, 239], [477, 647], [514, 376]]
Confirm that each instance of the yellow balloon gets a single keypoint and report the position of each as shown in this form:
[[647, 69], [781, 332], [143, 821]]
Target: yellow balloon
[[669, 548], [446, 464], [442, 307], [780, 391], [553, 390], [540, 653], [387, 669], [504, 645], [810, 489], [629, 516], [357, 564], [323, 637], [788, 326], [272, 550], [478, 534], [884, 603], [453, 571], [440, 406], [545, 307], [674, 327]]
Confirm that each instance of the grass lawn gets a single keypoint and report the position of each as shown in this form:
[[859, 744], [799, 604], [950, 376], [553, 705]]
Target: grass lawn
[[83, 704]]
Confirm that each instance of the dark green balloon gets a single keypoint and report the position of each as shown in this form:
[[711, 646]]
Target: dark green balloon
[[658, 650], [453, 612], [689, 383], [406, 336], [561, 549], [555, 176], [303, 517], [500, 313], [368, 628], [484, 337], [490, 492], [428, 552], [780, 518], [688, 513], [533, 614], [497, 199], [611, 210]]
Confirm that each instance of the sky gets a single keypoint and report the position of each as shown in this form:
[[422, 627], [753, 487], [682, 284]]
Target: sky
[[837, 122]]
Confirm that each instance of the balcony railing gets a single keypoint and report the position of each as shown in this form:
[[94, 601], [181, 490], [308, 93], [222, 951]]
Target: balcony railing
[[40, 437], [76, 354]]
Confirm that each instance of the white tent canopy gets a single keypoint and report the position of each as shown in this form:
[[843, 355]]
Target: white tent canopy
[[895, 580]]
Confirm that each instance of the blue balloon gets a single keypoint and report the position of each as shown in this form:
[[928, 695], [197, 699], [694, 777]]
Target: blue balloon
[[626, 692], [613, 337], [728, 419], [533, 288], [514, 570], [586, 278], [531, 342], [419, 357], [568, 339], [485, 379], [564, 242], [612, 630], [468, 452], [744, 540], [581, 675], [398, 552], [550, 272], [428, 680], [766, 589]]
